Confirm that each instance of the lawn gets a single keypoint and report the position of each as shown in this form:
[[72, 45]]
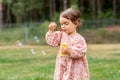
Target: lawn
[[19, 63]]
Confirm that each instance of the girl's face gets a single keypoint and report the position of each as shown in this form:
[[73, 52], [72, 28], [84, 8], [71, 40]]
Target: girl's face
[[67, 26]]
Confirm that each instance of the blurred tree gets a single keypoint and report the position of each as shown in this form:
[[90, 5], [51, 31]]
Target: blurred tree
[[99, 7], [52, 8], [21, 10], [114, 8], [1, 15], [7, 15], [66, 4], [45, 9], [80, 5], [59, 5], [94, 9], [118, 8], [74, 3], [16, 11]]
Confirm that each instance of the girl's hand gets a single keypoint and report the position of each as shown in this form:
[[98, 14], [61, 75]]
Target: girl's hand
[[52, 26], [64, 49]]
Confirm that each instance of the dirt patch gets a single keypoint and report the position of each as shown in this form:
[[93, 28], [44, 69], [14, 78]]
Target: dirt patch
[[113, 28], [110, 34]]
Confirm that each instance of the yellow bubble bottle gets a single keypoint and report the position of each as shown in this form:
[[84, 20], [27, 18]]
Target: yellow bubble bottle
[[64, 45]]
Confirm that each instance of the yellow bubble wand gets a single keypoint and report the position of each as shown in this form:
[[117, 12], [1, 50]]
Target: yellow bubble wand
[[64, 45]]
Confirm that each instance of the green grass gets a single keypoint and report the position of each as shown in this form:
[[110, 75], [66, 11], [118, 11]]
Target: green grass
[[104, 61], [18, 63]]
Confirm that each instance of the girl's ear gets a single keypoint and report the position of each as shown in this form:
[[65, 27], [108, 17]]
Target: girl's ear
[[75, 23]]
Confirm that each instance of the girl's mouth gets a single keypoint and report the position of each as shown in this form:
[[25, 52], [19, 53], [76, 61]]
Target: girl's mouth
[[60, 29]]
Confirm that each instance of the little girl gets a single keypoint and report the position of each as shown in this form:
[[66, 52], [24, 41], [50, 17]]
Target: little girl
[[71, 61]]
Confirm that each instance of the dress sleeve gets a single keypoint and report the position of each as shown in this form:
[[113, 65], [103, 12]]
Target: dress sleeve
[[78, 50], [54, 38]]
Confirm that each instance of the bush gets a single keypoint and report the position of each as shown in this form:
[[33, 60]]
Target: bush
[[101, 35], [25, 33], [39, 31]]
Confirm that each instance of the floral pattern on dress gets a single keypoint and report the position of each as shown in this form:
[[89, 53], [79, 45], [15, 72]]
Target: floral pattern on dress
[[73, 66]]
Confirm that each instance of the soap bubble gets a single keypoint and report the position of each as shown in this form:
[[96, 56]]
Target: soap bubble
[[36, 39], [33, 51], [43, 52], [20, 44]]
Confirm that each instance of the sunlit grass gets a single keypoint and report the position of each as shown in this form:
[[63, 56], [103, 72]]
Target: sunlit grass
[[18, 63], [107, 51], [104, 60]]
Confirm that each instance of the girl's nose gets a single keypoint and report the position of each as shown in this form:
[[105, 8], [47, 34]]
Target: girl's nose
[[63, 26]]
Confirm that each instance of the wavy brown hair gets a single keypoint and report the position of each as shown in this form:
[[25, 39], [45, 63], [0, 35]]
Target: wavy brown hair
[[73, 15]]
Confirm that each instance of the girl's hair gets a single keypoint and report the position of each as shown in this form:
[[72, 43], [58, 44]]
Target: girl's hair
[[73, 15]]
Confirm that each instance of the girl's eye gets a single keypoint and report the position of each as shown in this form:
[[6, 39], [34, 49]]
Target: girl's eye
[[66, 23]]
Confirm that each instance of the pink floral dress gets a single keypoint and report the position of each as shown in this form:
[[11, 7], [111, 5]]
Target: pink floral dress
[[73, 66]]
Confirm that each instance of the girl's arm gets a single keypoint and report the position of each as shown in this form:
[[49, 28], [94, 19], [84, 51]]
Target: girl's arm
[[54, 38], [78, 50]]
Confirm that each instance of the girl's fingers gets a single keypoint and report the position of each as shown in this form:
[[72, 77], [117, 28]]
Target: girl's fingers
[[52, 25], [64, 50]]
